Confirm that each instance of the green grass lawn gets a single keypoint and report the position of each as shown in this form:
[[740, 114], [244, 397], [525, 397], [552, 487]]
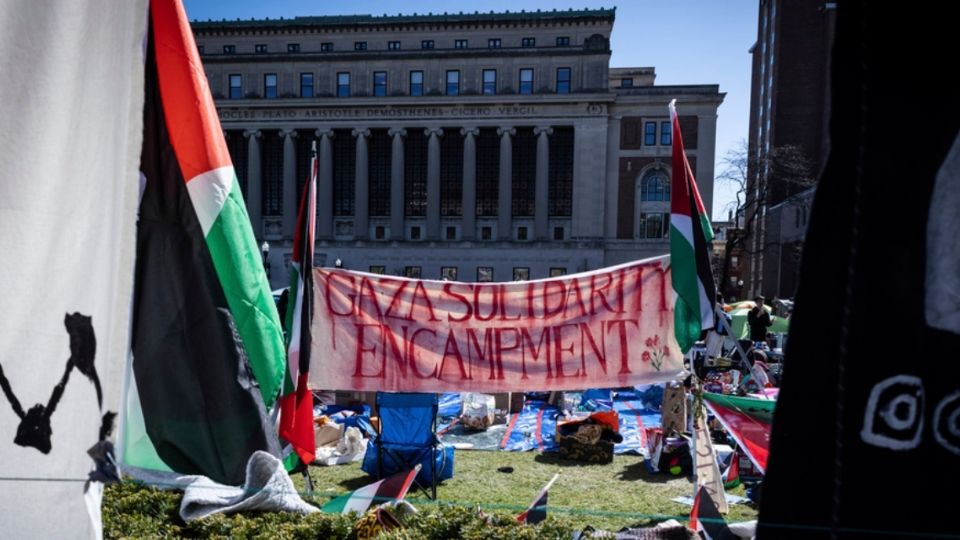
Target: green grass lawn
[[607, 497]]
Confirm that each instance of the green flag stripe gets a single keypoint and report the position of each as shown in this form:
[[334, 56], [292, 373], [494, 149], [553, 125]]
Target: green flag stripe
[[684, 275], [237, 260]]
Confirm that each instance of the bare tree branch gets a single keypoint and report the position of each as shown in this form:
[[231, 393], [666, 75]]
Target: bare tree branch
[[760, 180]]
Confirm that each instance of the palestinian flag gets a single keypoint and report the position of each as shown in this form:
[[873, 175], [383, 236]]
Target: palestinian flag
[[537, 511], [296, 405], [389, 489], [731, 475], [204, 318], [706, 520], [690, 236]]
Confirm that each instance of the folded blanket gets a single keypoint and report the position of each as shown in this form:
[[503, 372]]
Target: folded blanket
[[267, 488]]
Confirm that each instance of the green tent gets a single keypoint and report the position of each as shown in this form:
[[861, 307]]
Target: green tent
[[740, 328]]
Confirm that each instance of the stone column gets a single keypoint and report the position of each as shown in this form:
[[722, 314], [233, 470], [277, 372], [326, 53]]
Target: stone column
[[254, 182], [433, 182], [361, 225], [396, 184], [289, 181], [542, 188], [469, 223], [325, 185], [706, 149], [505, 186]]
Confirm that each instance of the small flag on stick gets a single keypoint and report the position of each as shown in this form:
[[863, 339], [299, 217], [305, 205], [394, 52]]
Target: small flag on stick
[[392, 488], [537, 511]]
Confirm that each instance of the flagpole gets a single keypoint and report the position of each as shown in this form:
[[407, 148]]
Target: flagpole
[[550, 483]]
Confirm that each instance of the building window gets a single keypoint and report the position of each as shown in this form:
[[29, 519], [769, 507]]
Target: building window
[[379, 232], [237, 145], [453, 82], [412, 272], [522, 233], [521, 273], [271, 163], [393, 46], [260, 48], [236, 86], [344, 171], [448, 273], [460, 44], [558, 233], [415, 173], [451, 233], [626, 82], [200, 49], [526, 81], [489, 82], [416, 83], [528, 42], [488, 172], [654, 225], [558, 271], [484, 274], [650, 134], [293, 47], [486, 233], [524, 173], [326, 47], [493, 43], [379, 159], [655, 186], [306, 85], [343, 84], [426, 44], [563, 80], [560, 173], [359, 45], [415, 232], [563, 41], [229, 49], [378, 269], [270, 85], [380, 83], [665, 133], [451, 175]]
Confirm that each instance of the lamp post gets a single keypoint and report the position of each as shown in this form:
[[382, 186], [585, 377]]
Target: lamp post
[[338, 263], [265, 250]]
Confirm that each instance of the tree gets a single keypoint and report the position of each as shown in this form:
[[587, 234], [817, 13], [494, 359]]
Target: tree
[[760, 180]]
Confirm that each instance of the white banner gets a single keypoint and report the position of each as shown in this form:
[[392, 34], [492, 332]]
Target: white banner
[[607, 328], [71, 100]]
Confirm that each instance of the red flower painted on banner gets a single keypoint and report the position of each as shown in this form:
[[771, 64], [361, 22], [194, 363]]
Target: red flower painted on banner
[[656, 353]]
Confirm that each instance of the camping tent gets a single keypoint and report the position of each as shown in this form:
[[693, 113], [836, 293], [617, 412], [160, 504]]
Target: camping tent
[[739, 325]]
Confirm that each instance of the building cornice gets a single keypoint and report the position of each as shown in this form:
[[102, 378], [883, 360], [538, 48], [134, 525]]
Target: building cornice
[[430, 21], [410, 54]]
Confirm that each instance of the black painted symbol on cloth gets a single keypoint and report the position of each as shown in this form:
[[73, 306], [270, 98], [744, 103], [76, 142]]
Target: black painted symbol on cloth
[[34, 429]]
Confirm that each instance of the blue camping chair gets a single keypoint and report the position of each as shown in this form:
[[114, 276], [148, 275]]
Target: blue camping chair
[[407, 437]]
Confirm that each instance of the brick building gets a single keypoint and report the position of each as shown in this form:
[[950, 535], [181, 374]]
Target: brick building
[[789, 105]]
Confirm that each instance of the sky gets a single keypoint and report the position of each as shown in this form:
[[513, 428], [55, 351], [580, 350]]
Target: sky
[[687, 41]]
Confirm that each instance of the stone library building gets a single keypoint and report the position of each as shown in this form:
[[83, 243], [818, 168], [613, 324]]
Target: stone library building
[[467, 146]]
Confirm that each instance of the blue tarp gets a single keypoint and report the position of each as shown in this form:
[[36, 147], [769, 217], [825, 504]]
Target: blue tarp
[[533, 428], [636, 408], [635, 416], [450, 405]]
